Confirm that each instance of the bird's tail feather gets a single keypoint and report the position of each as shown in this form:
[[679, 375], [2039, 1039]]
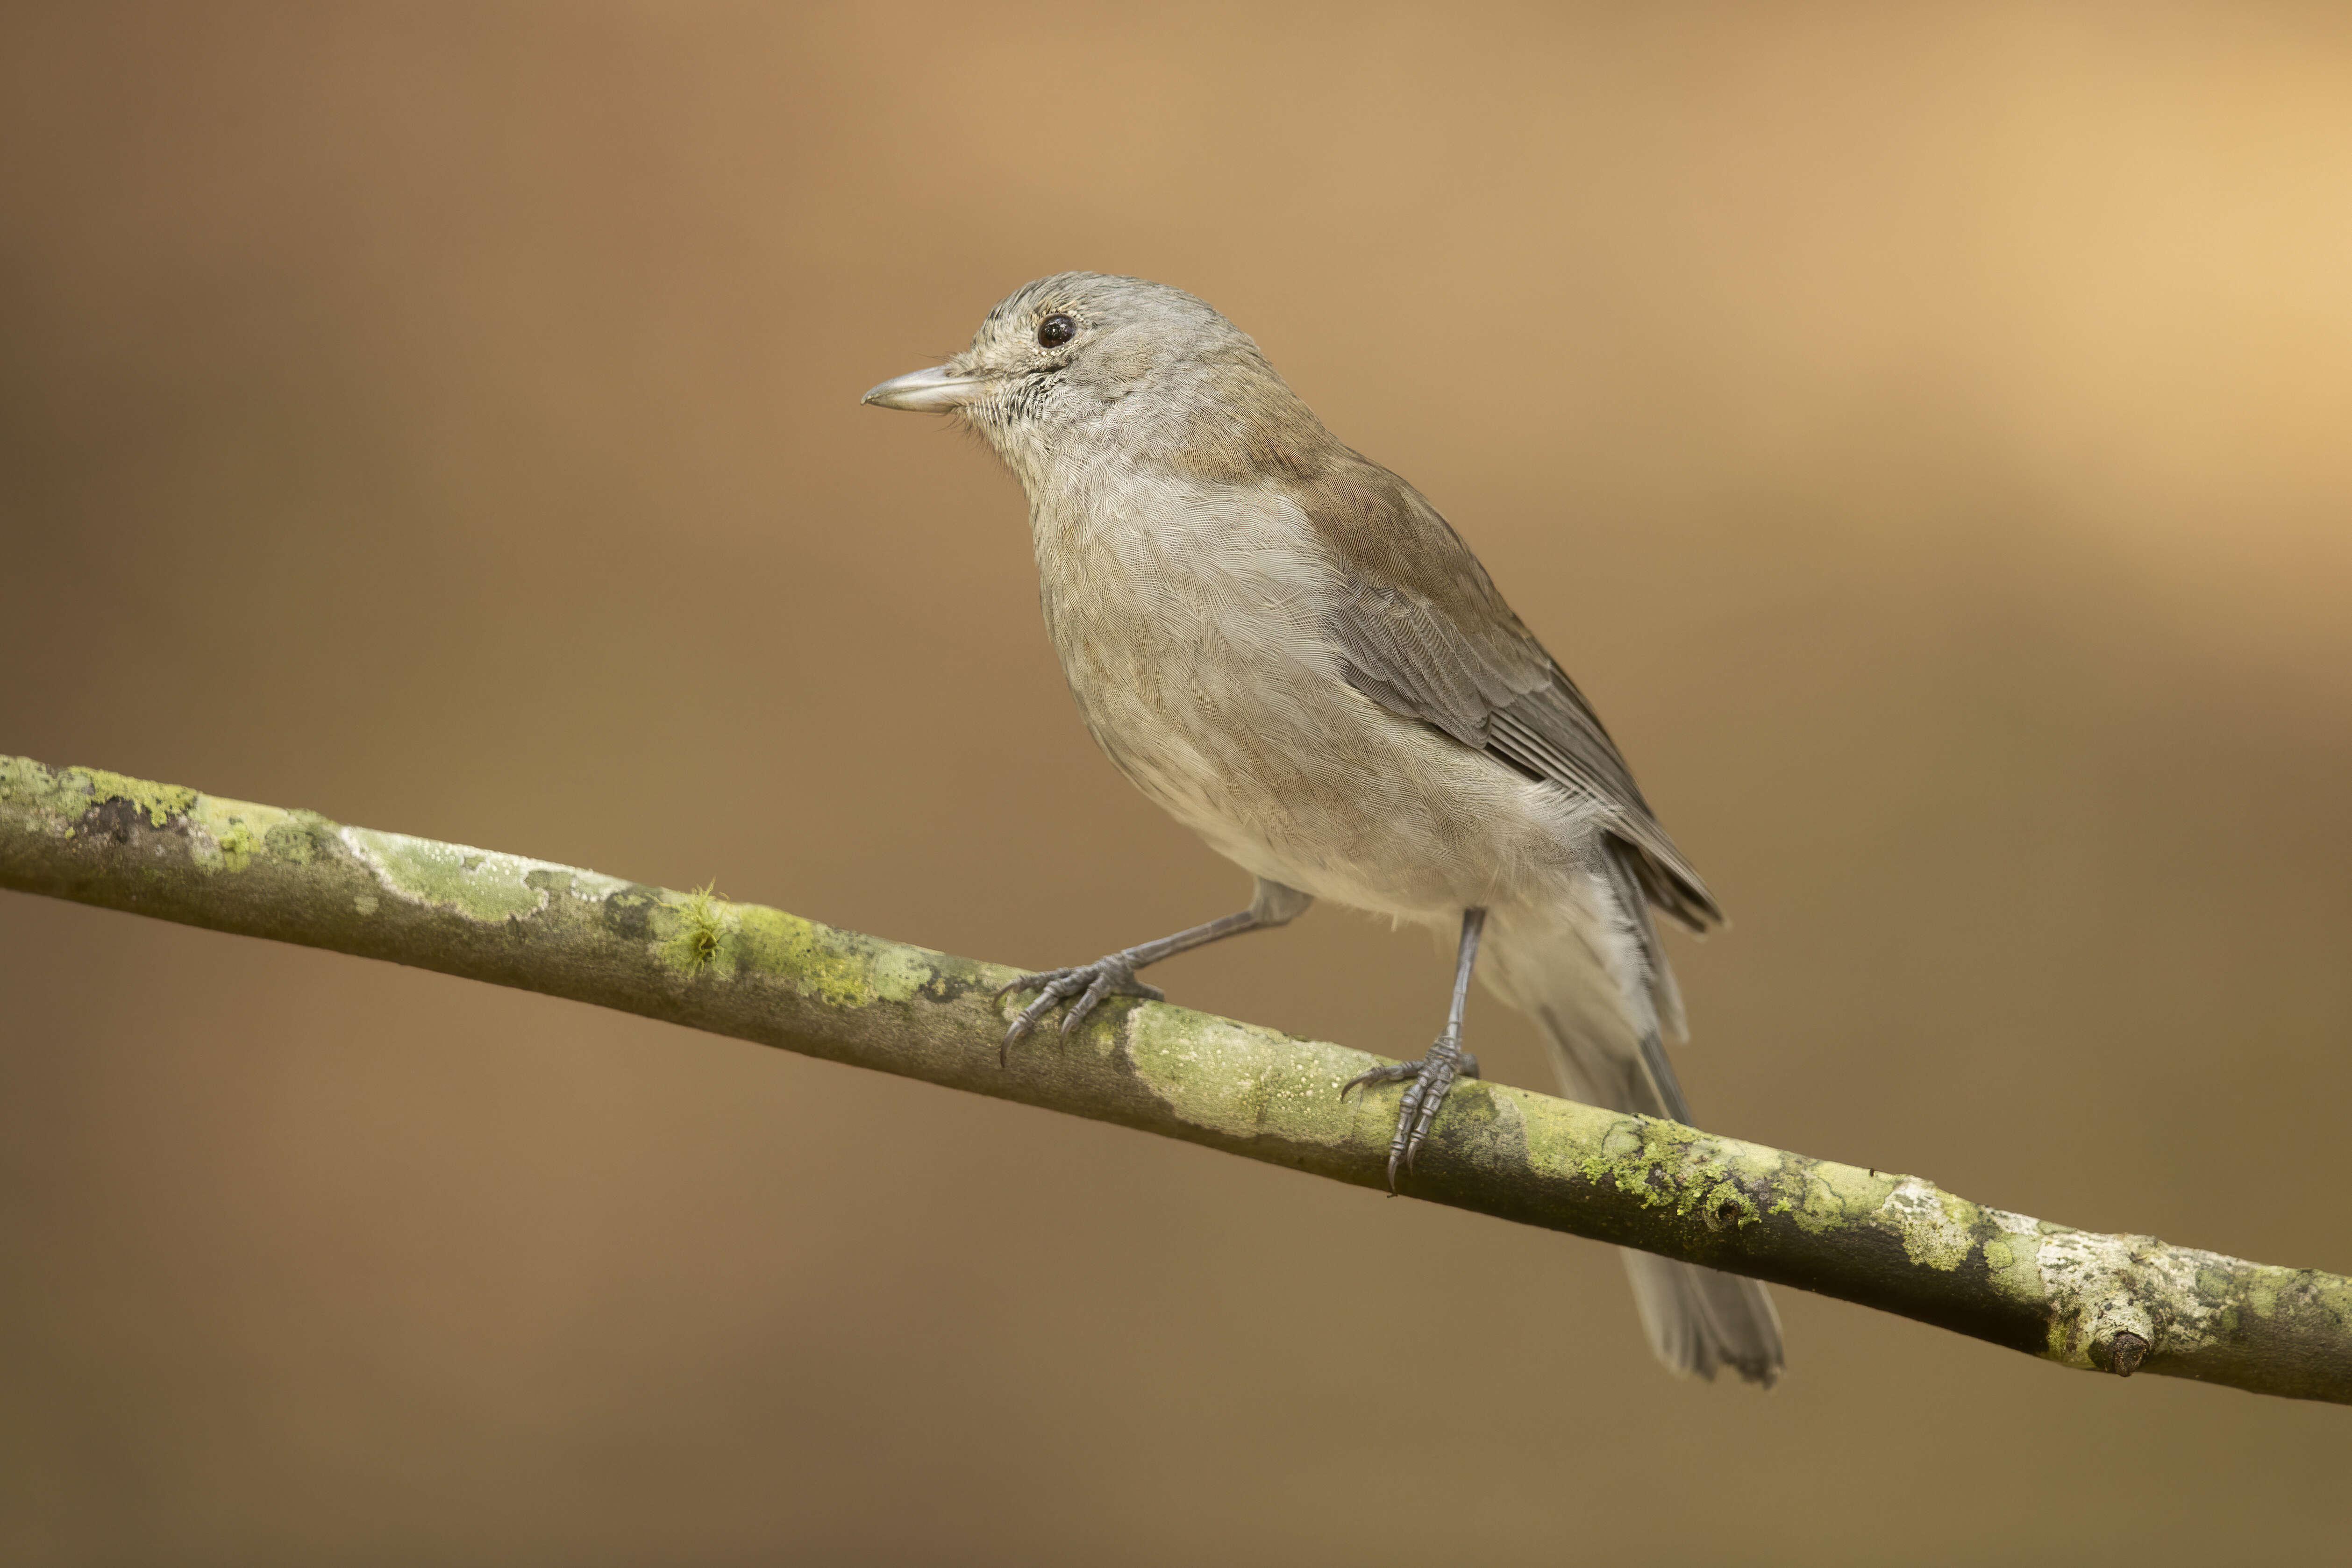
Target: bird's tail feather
[[1592, 1004], [1701, 1318]]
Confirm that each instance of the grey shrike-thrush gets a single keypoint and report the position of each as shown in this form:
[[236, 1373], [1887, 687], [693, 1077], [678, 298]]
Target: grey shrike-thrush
[[1288, 649]]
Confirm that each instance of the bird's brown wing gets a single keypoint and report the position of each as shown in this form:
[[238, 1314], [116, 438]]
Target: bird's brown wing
[[1425, 635]]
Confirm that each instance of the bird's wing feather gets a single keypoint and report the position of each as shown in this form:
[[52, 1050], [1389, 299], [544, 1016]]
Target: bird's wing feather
[[1425, 635]]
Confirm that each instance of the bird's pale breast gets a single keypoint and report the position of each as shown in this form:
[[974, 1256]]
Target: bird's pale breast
[[1193, 623]]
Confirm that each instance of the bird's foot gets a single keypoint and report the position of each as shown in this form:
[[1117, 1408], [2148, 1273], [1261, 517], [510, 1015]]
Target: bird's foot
[[1089, 983], [1431, 1078]]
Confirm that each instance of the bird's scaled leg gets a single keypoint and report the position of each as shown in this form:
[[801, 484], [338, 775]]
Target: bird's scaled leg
[[1086, 985], [1436, 1073]]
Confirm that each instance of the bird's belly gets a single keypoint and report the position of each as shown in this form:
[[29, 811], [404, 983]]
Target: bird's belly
[[1244, 731]]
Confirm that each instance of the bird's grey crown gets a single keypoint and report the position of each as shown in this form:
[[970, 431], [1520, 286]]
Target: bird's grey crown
[[1096, 298]]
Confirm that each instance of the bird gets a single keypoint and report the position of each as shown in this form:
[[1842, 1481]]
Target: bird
[[1288, 649]]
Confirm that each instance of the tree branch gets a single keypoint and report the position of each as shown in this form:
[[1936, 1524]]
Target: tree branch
[[2110, 1303]]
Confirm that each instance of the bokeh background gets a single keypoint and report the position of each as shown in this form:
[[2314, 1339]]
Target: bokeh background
[[1922, 430]]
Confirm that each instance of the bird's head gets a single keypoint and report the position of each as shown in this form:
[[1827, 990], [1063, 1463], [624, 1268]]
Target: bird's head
[[1082, 364]]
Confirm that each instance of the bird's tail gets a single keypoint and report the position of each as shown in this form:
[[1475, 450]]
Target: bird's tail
[[1597, 1002]]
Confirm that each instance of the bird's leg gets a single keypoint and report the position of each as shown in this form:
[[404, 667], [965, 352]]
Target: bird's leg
[[1091, 984], [1434, 1074]]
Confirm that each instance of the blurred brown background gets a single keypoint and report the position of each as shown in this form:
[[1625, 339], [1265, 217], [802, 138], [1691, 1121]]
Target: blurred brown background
[[1923, 433]]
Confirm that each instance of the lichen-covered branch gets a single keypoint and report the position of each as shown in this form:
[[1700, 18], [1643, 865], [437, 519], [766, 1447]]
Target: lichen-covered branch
[[2114, 1303]]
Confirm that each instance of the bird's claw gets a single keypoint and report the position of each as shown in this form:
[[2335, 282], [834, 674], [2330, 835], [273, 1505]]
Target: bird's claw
[[1430, 1080], [1090, 984]]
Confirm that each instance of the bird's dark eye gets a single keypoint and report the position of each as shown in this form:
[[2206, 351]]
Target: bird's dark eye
[[1055, 330]]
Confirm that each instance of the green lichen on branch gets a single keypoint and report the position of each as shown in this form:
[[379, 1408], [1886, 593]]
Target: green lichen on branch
[[160, 802], [1663, 1164], [224, 836], [2122, 1304], [70, 792]]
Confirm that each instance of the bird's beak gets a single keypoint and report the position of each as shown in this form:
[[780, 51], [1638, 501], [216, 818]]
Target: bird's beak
[[933, 390]]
